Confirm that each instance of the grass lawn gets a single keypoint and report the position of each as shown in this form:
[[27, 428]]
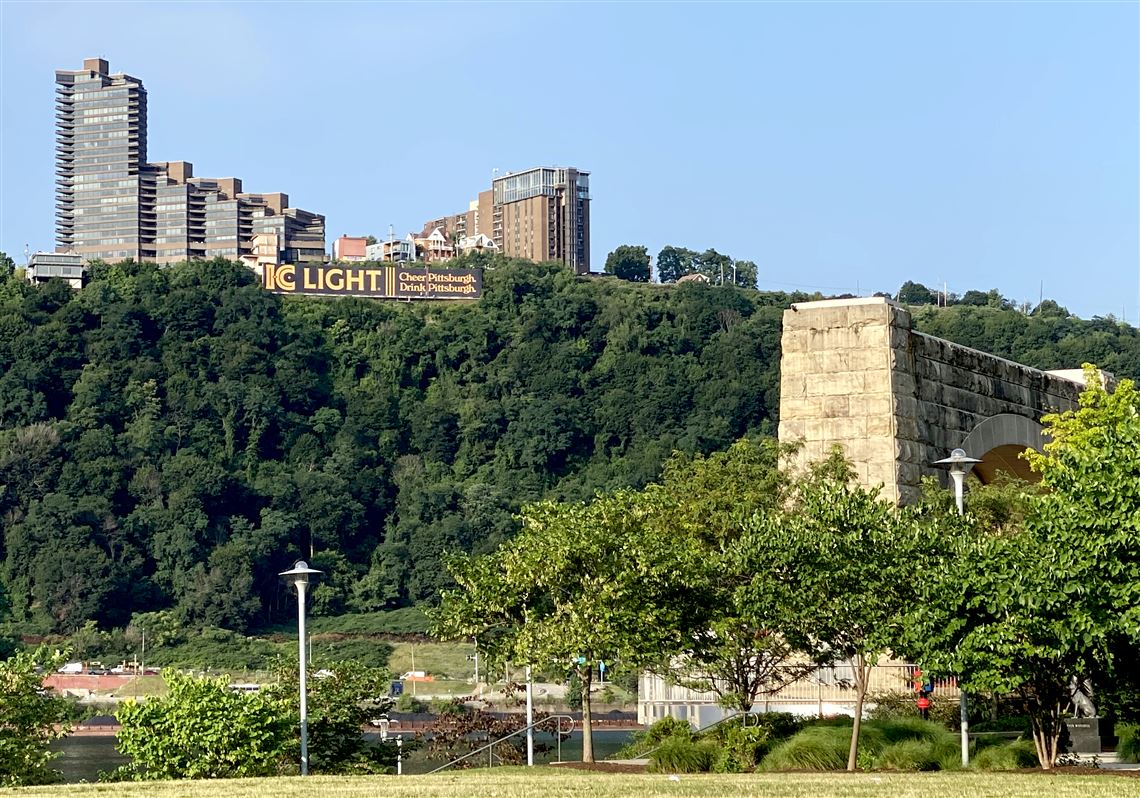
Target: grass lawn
[[554, 783], [441, 660]]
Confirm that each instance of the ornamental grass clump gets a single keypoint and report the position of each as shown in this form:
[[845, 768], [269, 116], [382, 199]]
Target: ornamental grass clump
[[814, 748], [921, 754], [1016, 755], [681, 755], [1128, 742], [894, 744]]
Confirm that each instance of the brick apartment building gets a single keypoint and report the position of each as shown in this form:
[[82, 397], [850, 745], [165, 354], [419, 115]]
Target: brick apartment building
[[540, 214]]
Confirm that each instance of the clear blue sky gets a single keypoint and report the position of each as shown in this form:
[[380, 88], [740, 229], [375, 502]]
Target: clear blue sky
[[839, 145]]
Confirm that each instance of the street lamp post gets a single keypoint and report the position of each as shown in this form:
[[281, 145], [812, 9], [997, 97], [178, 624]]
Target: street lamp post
[[960, 464], [298, 577], [529, 718]]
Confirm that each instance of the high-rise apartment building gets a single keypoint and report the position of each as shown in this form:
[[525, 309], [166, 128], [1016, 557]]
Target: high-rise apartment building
[[100, 152], [540, 214], [111, 204]]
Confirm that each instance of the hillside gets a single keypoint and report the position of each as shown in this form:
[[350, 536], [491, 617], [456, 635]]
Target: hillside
[[171, 439]]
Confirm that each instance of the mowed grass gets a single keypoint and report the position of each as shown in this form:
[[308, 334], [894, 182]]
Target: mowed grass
[[441, 660], [552, 782]]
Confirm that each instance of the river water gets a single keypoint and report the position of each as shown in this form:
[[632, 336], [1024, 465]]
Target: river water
[[83, 757]]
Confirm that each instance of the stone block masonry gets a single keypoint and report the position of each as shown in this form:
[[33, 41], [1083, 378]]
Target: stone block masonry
[[854, 372]]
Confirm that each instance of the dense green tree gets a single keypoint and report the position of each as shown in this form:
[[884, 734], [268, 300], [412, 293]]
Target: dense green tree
[[203, 730], [832, 569], [581, 583], [912, 293], [674, 263], [29, 719], [737, 654], [342, 701], [629, 263], [1024, 610]]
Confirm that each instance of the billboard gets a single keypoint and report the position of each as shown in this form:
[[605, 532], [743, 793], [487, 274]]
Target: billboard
[[388, 281]]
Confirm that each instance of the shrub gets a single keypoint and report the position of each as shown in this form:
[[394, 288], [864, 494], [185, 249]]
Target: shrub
[[1128, 742], [900, 704], [740, 748], [660, 731], [29, 720], [814, 748], [745, 741], [1011, 756], [201, 729], [1008, 723], [776, 725], [407, 702], [683, 755]]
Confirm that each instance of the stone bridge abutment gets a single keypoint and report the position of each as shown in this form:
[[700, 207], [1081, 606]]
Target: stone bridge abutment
[[854, 372]]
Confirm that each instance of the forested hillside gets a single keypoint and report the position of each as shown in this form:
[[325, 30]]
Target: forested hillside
[[172, 438]]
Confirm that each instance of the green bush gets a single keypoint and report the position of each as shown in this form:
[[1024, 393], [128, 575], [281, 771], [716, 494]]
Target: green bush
[[29, 720], [744, 741], [683, 755], [1128, 742], [408, 620], [777, 726], [406, 702], [1010, 756], [901, 704], [201, 729], [660, 731], [740, 748], [1008, 723]]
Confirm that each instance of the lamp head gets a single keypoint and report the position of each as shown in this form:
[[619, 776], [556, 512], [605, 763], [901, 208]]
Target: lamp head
[[299, 574], [958, 462]]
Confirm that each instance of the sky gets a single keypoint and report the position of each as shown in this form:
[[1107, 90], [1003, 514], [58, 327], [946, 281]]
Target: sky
[[843, 147]]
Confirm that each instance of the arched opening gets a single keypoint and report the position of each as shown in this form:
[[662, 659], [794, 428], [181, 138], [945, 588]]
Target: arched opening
[[999, 441]]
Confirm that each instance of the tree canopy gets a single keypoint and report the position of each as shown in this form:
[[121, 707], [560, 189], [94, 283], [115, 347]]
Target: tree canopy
[[582, 583], [673, 263], [171, 438], [629, 263]]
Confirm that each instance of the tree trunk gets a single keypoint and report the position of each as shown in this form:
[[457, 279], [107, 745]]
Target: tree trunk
[[587, 676], [860, 692], [1047, 735]]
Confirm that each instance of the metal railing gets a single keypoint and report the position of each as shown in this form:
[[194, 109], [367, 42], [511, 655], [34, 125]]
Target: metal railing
[[489, 747]]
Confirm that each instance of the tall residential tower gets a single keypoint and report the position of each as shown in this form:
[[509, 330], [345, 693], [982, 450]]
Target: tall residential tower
[[111, 204], [540, 214], [100, 154]]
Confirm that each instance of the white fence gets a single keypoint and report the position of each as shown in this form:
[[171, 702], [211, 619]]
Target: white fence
[[825, 691]]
